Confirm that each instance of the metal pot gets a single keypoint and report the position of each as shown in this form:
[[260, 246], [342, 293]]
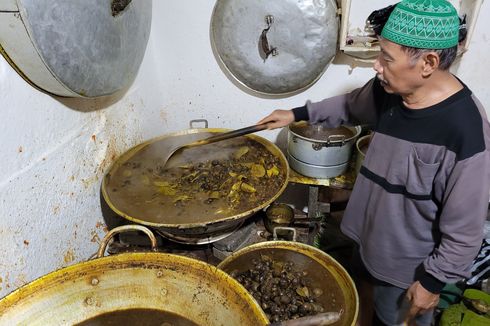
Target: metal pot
[[320, 152], [198, 228], [278, 215], [187, 287], [324, 271], [362, 145]]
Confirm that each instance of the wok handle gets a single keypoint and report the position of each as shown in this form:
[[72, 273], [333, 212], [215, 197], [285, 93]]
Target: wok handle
[[229, 134], [125, 228]]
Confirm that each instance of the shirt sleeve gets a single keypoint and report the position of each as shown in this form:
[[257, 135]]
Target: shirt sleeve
[[357, 107], [463, 214]]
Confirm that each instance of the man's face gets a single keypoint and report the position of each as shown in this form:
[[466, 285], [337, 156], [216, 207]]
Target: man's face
[[395, 69]]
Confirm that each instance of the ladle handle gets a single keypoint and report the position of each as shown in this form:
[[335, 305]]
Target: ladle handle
[[325, 318], [126, 228], [229, 134]]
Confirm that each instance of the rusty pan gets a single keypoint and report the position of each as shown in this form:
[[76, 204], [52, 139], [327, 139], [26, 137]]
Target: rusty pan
[[190, 288]]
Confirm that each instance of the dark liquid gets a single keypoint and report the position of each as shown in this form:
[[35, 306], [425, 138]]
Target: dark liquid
[[200, 185], [140, 317], [322, 133]]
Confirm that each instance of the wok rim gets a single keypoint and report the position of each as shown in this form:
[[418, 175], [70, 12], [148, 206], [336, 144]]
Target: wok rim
[[235, 218], [356, 130], [123, 261], [301, 248]]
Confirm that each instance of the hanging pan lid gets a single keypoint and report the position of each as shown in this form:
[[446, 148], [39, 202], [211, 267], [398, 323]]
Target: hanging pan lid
[[76, 48], [275, 47]]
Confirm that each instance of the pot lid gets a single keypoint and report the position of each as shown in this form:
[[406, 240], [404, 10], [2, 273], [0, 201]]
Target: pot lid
[[275, 47], [91, 47]]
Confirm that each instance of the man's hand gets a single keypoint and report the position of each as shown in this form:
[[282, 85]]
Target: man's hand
[[278, 119], [420, 301]]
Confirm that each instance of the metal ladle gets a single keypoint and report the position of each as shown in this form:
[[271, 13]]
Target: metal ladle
[[322, 319], [214, 139]]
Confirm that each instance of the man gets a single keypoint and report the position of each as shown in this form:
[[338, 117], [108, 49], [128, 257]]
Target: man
[[419, 204]]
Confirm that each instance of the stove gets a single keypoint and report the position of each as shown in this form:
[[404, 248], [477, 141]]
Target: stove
[[303, 229], [308, 227]]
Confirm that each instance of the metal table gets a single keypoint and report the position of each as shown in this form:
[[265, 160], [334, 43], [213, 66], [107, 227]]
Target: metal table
[[315, 207]]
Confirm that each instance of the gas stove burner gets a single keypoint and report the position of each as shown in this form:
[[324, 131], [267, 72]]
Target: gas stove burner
[[251, 232]]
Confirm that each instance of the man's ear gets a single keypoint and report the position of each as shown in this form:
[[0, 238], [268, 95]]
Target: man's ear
[[430, 63]]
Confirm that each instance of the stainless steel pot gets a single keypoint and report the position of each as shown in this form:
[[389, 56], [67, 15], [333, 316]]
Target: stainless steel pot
[[320, 152], [187, 287], [362, 145]]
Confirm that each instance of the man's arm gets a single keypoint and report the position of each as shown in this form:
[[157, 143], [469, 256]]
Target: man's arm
[[464, 210], [357, 107]]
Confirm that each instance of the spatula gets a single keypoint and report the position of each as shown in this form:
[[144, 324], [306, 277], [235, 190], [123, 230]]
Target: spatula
[[214, 139]]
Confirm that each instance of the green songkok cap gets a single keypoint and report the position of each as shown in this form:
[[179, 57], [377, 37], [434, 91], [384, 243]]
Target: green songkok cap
[[423, 24]]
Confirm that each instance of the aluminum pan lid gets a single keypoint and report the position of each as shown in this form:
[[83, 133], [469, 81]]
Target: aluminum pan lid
[[89, 47], [275, 47]]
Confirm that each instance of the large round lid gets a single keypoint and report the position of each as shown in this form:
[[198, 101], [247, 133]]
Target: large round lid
[[91, 47], [276, 46]]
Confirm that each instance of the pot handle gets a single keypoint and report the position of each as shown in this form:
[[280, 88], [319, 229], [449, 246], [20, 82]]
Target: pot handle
[[332, 141], [126, 228], [192, 122], [336, 138], [119, 6], [264, 43], [284, 228]]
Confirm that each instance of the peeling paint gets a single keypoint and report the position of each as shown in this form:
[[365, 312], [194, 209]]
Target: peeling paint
[[20, 149], [89, 182], [69, 256], [95, 237], [101, 225], [21, 280], [6, 281], [56, 209]]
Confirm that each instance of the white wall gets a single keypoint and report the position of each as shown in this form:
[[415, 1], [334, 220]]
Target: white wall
[[55, 152]]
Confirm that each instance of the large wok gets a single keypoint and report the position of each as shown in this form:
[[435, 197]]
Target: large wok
[[197, 228], [187, 287], [339, 291]]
